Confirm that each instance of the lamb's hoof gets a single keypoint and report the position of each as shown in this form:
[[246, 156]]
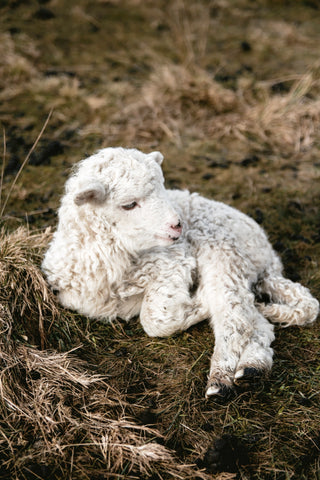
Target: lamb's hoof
[[249, 377], [220, 392]]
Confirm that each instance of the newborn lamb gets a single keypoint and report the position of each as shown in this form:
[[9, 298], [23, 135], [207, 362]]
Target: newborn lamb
[[126, 246]]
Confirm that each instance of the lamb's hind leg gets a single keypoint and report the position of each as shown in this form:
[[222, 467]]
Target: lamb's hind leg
[[291, 303], [242, 342], [256, 359], [237, 324]]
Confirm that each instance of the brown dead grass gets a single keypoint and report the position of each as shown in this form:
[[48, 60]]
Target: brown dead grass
[[56, 413], [288, 123], [16, 67], [178, 102], [24, 291]]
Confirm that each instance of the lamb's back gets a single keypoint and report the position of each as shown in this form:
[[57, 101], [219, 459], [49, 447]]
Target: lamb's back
[[212, 222]]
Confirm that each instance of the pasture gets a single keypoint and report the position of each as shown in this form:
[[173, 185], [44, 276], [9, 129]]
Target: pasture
[[228, 91]]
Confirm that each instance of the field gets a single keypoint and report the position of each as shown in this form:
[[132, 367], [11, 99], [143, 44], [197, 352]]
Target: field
[[228, 91]]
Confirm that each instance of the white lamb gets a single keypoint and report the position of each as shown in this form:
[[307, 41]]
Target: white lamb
[[126, 246]]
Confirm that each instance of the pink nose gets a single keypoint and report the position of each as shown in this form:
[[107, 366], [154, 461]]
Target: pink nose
[[177, 228]]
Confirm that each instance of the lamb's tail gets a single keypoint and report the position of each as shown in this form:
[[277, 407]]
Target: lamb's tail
[[290, 303]]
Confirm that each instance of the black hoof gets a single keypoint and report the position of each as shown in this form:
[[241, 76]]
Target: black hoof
[[220, 393], [252, 377]]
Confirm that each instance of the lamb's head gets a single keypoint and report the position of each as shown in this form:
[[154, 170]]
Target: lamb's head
[[125, 189]]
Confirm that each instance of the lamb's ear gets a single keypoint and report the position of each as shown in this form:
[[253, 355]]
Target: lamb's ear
[[94, 192], [156, 156]]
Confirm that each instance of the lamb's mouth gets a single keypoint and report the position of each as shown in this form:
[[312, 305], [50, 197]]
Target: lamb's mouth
[[169, 238], [174, 238]]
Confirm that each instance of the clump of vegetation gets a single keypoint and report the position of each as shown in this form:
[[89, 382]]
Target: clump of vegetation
[[57, 414], [230, 95]]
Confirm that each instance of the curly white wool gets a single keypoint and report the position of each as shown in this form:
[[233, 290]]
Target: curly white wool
[[126, 246]]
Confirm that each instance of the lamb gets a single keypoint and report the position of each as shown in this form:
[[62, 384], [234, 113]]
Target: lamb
[[126, 246]]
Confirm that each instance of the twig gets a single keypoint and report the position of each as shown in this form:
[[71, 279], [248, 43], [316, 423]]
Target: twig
[[3, 163], [25, 162]]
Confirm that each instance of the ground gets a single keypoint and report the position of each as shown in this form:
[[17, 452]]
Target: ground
[[229, 93]]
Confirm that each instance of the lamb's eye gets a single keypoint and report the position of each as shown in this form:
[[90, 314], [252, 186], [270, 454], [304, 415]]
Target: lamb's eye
[[130, 206]]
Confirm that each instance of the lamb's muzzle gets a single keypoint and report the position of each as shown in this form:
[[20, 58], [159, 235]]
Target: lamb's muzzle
[[175, 231]]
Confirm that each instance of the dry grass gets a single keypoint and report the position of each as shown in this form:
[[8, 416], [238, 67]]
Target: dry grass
[[288, 123], [57, 414], [23, 289], [178, 102], [230, 95]]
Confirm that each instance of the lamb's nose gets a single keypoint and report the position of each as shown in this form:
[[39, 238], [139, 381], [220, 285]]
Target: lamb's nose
[[177, 228]]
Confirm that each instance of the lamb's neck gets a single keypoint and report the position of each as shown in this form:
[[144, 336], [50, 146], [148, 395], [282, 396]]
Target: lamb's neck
[[112, 254], [100, 244], [115, 258]]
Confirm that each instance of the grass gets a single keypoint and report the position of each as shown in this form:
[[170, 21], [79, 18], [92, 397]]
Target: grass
[[230, 95]]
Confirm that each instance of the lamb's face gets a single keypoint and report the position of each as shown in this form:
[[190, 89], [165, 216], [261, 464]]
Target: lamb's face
[[127, 191]]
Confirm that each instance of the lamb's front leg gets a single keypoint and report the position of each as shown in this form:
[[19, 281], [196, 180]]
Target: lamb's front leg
[[168, 308], [163, 279]]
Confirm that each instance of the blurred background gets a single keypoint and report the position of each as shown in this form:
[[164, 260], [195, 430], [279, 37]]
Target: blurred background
[[227, 90]]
